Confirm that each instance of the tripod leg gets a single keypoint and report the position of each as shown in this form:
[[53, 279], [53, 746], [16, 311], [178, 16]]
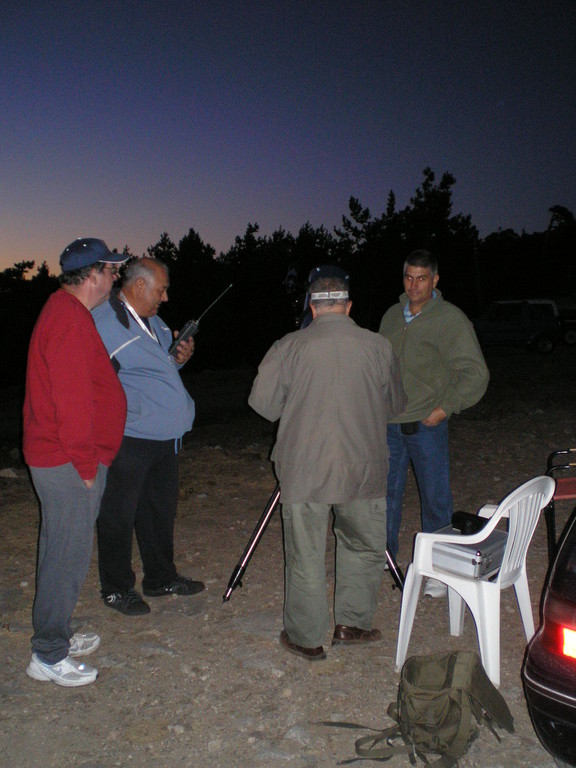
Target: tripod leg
[[395, 571], [239, 570]]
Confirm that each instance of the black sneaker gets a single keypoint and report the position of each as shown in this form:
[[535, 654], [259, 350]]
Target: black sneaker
[[128, 602], [180, 586]]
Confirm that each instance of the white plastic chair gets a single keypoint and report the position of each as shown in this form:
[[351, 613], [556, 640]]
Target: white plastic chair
[[482, 595]]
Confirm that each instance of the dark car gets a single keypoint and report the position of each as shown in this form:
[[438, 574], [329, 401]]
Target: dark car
[[549, 670], [567, 309], [530, 322]]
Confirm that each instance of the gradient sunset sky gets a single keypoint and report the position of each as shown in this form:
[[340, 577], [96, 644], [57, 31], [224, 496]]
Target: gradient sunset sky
[[122, 120]]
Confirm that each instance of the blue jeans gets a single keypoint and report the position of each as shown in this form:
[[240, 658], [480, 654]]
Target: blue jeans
[[427, 449]]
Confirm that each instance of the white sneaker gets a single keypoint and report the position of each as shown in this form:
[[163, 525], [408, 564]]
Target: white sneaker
[[435, 588], [83, 644], [67, 672]]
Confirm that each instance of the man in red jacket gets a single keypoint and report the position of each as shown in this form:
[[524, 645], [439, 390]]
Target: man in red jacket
[[74, 415]]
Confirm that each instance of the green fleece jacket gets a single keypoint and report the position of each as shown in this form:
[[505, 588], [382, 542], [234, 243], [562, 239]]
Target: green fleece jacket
[[440, 358]]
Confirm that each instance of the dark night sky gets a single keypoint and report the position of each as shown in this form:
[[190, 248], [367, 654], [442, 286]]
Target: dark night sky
[[122, 120]]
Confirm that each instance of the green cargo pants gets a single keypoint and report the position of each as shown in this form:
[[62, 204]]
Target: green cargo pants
[[360, 530]]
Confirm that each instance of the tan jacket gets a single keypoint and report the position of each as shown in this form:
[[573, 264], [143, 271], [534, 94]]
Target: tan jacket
[[334, 387]]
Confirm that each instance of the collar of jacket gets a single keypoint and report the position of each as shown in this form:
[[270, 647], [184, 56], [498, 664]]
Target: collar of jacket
[[331, 317], [119, 310], [427, 307]]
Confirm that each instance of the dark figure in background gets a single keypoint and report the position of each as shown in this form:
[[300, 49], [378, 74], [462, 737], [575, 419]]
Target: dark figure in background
[[142, 489], [443, 372], [74, 415], [333, 386]]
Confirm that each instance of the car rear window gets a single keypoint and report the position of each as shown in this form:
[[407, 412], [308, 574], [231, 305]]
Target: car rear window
[[564, 580], [543, 312]]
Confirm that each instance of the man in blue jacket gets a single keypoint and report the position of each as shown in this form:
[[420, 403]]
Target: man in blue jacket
[[142, 487]]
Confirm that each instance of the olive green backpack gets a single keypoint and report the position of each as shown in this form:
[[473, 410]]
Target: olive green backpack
[[442, 698]]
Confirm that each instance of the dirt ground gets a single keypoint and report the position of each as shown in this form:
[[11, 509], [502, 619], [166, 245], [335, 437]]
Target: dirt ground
[[205, 684]]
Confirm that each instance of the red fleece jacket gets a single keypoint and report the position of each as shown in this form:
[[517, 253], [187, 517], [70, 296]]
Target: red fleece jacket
[[75, 407]]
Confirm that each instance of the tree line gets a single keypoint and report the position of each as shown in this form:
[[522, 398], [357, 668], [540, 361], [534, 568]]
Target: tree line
[[269, 274]]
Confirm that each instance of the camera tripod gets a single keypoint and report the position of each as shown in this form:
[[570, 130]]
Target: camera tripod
[[240, 569]]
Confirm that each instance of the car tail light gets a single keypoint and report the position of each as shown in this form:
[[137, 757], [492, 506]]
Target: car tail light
[[559, 626], [569, 645]]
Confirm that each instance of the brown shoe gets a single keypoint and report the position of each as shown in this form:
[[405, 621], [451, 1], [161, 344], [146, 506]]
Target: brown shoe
[[310, 654], [354, 635]]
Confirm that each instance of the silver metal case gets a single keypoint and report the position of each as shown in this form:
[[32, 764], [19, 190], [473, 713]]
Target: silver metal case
[[475, 561]]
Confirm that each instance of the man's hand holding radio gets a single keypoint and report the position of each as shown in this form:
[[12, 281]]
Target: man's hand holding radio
[[184, 350]]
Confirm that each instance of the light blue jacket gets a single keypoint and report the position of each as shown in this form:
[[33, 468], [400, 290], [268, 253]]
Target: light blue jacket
[[159, 407]]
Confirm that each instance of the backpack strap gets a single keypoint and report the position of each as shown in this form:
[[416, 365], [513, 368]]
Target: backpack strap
[[382, 748], [482, 690], [367, 747], [464, 664]]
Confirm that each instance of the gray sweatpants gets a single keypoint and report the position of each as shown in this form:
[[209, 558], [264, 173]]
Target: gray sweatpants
[[68, 513], [360, 530]]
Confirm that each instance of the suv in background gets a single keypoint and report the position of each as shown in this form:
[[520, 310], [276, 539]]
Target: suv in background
[[531, 322], [567, 307]]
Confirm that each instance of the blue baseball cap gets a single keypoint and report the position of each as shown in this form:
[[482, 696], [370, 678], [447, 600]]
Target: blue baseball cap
[[86, 251]]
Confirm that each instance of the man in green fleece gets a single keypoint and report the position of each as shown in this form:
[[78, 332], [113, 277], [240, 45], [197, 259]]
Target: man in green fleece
[[443, 372]]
